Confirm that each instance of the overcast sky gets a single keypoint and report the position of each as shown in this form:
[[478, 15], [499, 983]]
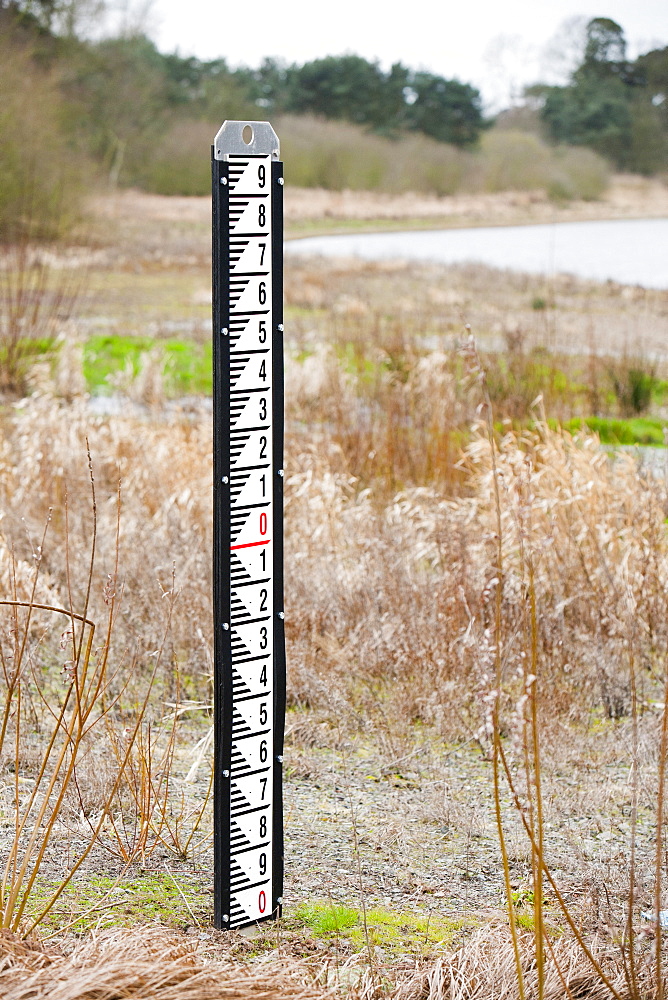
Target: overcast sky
[[498, 46]]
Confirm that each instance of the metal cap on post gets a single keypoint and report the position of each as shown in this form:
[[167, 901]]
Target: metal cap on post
[[246, 139]]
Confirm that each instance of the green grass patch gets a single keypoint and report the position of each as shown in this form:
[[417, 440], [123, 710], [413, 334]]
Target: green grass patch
[[27, 347], [633, 430], [187, 365], [102, 901], [393, 932], [325, 919]]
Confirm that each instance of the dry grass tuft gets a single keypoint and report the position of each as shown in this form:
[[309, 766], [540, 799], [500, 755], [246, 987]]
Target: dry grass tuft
[[147, 964], [484, 969]]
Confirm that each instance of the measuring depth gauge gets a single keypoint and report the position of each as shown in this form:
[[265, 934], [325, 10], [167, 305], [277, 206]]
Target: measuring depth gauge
[[249, 644]]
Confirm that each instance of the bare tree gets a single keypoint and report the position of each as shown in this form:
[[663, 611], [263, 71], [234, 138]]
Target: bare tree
[[508, 58], [565, 51]]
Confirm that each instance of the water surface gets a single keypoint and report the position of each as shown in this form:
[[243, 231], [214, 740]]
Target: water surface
[[629, 251]]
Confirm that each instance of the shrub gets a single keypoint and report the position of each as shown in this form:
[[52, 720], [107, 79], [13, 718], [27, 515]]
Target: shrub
[[518, 161], [180, 162], [577, 173], [41, 176], [513, 161], [339, 156]]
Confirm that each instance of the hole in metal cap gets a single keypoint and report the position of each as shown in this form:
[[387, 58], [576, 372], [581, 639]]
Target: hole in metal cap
[[247, 134]]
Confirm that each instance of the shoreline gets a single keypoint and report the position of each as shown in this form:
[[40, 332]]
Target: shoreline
[[317, 212]]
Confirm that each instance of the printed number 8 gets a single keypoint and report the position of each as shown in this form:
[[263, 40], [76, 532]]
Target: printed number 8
[[262, 216]]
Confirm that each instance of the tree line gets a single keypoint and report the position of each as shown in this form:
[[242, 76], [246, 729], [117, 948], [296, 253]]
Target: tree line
[[120, 108], [99, 79], [615, 106]]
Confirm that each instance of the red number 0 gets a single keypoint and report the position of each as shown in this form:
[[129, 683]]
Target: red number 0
[[262, 902], [263, 523]]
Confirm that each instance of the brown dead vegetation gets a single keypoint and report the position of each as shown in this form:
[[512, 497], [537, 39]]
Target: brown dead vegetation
[[444, 577], [146, 964]]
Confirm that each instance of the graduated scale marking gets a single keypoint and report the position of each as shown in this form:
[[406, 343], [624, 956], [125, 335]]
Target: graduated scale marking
[[251, 548]]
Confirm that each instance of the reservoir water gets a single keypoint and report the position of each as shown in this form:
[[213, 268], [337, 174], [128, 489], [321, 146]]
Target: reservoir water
[[629, 251]]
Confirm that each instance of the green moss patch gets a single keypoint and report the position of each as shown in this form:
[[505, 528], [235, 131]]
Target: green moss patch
[[394, 932], [102, 901]]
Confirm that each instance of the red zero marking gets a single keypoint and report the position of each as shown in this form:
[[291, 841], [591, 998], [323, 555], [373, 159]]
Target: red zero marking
[[249, 545], [262, 902], [263, 523]]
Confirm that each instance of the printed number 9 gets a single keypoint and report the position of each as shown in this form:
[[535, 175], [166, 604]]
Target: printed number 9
[[261, 175]]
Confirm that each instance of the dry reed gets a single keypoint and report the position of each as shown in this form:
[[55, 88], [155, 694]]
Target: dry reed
[[151, 964]]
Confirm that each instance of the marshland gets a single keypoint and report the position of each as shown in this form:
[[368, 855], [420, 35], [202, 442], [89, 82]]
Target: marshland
[[476, 542], [475, 612]]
